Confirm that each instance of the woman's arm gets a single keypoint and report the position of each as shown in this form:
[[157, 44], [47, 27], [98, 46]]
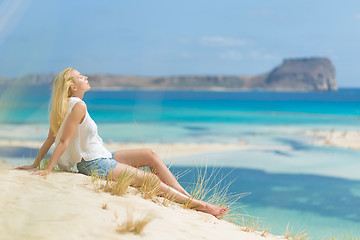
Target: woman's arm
[[76, 116], [42, 152]]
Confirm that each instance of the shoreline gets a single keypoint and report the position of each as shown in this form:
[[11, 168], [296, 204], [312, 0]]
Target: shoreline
[[305, 157], [177, 149], [348, 139]]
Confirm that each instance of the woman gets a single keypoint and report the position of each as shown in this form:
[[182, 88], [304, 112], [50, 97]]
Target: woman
[[77, 142]]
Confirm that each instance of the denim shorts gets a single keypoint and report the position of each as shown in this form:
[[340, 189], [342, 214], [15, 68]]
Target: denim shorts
[[99, 166]]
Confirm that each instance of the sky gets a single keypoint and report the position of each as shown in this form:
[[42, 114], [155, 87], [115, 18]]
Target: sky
[[173, 37]]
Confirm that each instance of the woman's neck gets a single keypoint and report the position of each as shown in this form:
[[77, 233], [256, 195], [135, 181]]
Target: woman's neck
[[78, 96]]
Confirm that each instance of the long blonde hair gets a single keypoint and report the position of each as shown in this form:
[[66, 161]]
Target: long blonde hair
[[60, 94]]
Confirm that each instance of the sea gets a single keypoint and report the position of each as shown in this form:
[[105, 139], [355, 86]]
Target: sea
[[288, 180]]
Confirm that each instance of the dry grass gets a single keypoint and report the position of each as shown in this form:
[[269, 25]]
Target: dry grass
[[253, 224], [250, 224], [149, 186], [288, 232], [263, 234], [301, 235], [96, 181], [131, 225], [119, 186], [43, 164], [211, 187], [167, 199]]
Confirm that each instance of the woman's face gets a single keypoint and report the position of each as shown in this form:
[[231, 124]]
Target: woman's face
[[81, 82]]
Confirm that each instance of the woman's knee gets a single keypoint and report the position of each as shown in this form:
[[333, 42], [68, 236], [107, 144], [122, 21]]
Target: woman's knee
[[152, 156]]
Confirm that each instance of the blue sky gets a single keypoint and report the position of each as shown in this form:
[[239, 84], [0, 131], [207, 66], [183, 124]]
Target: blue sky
[[171, 37]]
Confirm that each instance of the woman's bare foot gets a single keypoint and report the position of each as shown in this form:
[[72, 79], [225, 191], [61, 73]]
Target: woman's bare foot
[[213, 210]]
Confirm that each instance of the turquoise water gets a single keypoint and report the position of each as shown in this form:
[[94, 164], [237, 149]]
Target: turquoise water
[[321, 205], [327, 108], [291, 180]]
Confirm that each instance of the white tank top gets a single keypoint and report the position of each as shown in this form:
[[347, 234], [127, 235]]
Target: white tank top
[[84, 144]]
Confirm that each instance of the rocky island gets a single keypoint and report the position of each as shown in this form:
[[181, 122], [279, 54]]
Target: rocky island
[[299, 74]]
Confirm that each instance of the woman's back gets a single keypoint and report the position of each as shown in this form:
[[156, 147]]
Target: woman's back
[[84, 144]]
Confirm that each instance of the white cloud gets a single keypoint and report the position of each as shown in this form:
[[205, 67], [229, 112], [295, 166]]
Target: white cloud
[[261, 55], [219, 41], [232, 54], [357, 16]]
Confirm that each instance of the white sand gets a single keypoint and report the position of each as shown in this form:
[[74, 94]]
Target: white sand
[[344, 139], [65, 206]]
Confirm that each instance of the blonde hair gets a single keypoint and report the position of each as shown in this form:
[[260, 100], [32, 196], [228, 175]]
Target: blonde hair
[[60, 94]]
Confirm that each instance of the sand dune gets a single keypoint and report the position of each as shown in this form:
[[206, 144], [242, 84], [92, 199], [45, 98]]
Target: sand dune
[[65, 206]]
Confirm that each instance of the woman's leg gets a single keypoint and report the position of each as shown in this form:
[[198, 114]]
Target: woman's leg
[[149, 158], [165, 190]]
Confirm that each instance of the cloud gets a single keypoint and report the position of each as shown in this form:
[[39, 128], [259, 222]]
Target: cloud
[[258, 55], [232, 54], [261, 55], [357, 16], [219, 41]]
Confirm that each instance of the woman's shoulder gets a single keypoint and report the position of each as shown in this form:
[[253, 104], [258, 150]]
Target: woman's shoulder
[[77, 103]]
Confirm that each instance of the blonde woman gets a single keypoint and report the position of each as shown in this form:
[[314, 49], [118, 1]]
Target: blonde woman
[[77, 142]]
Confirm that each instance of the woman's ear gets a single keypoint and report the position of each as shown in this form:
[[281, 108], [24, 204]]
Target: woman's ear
[[73, 88]]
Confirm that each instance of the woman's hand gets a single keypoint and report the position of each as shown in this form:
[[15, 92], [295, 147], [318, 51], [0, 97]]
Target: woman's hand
[[27, 167], [41, 172]]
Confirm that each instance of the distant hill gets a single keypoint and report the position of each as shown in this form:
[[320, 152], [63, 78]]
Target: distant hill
[[303, 74]]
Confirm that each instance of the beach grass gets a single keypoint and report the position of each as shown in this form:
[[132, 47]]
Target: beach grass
[[167, 199], [265, 231], [208, 186], [132, 225], [250, 224], [300, 235], [211, 187], [96, 181], [120, 185], [42, 165], [150, 186]]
